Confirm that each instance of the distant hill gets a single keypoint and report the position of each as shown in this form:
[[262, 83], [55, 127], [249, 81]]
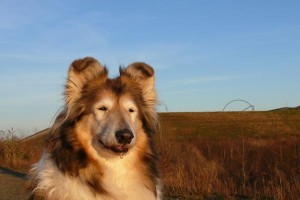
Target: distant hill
[[38, 135], [286, 108]]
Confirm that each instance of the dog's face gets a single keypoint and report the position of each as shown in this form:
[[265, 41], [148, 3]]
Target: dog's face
[[115, 122], [110, 114]]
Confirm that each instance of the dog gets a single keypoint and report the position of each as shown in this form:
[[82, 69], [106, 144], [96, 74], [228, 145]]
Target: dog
[[101, 144]]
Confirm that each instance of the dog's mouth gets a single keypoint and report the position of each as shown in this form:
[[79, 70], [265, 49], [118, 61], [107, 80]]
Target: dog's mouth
[[115, 148]]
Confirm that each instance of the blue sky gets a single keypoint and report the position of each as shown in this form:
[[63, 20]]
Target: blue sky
[[205, 53]]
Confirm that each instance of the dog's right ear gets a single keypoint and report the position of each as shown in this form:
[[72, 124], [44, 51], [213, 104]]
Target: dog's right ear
[[80, 73]]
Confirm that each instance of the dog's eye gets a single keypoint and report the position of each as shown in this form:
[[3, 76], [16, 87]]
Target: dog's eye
[[103, 108], [131, 110]]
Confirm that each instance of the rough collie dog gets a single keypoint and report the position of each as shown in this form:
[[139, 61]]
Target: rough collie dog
[[101, 144]]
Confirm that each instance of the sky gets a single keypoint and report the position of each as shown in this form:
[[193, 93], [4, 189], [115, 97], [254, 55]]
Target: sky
[[205, 53]]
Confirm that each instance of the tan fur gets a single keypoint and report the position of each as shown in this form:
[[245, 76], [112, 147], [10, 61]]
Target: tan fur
[[80, 72], [79, 162], [146, 80]]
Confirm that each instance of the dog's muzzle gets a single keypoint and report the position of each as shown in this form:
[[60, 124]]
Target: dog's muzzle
[[123, 139]]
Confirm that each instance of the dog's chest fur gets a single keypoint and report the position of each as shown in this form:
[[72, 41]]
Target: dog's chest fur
[[120, 180]]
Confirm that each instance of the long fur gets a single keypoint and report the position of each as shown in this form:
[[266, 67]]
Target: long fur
[[73, 166]]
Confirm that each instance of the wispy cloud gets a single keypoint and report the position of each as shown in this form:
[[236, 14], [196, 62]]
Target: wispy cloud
[[182, 92], [159, 55], [17, 14], [28, 90], [198, 80], [277, 35], [21, 56]]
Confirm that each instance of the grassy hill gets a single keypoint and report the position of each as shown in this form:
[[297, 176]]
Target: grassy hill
[[232, 124], [212, 155]]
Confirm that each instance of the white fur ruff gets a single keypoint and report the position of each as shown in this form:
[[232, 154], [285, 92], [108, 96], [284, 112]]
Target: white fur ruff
[[119, 180]]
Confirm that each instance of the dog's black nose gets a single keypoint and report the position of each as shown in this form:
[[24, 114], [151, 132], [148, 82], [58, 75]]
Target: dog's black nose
[[124, 136]]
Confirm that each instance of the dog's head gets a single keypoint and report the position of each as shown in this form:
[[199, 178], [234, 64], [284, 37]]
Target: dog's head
[[110, 115]]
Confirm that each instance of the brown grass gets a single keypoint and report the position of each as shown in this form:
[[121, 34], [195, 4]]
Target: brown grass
[[253, 155], [15, 153], [249, 155], [244, 167]]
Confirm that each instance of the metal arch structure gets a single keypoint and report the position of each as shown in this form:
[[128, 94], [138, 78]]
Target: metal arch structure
[[240, 100], [164, 106]]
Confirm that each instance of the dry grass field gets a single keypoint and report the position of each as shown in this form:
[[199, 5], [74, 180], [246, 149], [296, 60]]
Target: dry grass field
[[222, 155], [249, 155]]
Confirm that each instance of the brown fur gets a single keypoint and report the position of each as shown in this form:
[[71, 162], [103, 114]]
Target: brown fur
[[69, 144]]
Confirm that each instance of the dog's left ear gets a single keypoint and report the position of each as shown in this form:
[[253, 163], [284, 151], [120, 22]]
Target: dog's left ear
[[144, 75]]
